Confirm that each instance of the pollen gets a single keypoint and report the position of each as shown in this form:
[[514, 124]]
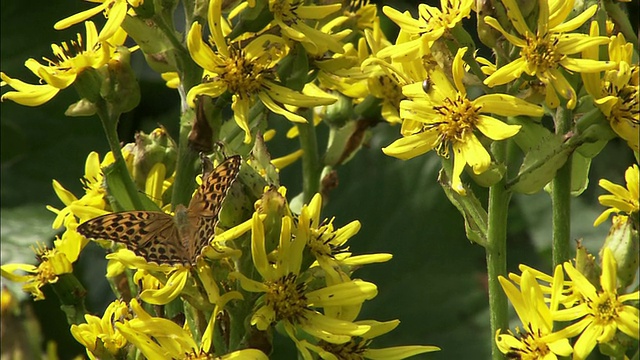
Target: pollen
[[352, 350], [286, 297], [46, 274], [628, 107], [320, 242], [606, 311], [198, 355], [533, 348], [541, 51], [242, 76], [457, 118], [285, 10]]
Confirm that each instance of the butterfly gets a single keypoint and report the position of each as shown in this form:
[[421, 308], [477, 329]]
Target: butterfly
[[164, 239]]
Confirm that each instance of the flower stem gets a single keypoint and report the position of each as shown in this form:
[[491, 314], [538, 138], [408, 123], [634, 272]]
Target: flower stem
[[311, 166], [109, 119], [71, 294], [561, 197], [184, 182], [496, 249], [622, 19]]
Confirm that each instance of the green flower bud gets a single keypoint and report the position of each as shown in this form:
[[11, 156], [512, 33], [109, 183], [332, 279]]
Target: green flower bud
[[486, 33], [623, 242], [88, 84], [120, 87], [83, 107], [587, 266], [275, 206], [148, 150], [339, 112]]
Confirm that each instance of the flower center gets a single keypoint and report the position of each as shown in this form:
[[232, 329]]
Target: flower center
[[242, 76], [445, 18], [627, 109], [606, 310], [457, 118], [541, 51], [389, 90], [352, 350], [201, 355], [533, 348], [320, 242], [285, 11], [45, 273], [286, 297]]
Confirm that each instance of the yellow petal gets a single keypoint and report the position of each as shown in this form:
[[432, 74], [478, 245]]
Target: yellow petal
[[495, 129]]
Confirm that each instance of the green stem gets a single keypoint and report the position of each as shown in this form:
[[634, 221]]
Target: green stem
[[621, 19], [71, 294], [186, 170], [311, 166], [496, 249], [561, 197], [184, 182], [109, 119]]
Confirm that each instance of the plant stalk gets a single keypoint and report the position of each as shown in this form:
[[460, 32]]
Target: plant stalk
[[496, 249], [311, 166], [561, 197]]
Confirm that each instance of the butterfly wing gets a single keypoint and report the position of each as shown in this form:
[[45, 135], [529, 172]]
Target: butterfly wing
[[204, 207], [150, 234]]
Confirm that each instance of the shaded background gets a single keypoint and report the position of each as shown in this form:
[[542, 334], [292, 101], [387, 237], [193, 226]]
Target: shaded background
[[435, 284]]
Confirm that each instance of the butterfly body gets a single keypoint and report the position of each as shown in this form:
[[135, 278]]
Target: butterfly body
[[164, 239]]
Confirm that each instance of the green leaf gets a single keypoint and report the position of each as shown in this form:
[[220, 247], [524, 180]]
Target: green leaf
[[580, 166], [475, 216], [540, 165], [118, 196]]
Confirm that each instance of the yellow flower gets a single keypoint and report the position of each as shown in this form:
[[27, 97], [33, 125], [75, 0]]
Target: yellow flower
[[545, 50], [94, 197], [53, 263], [168, 282], [536, 340], [602, 312], [616, 93], [444, 117], [291, 15], [429, 27], [621, 200], [99, 334], [359, 347], [287, 299], [246, 72], [328, 245], [114, 10], [69, 61], [159, 338], [358, 15]]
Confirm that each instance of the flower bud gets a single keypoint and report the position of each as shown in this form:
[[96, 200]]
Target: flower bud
[[339, 112], [120, 87], [274, 204], [586, 264], [88, 84], [83, 107], [623, 242], [148, 150]]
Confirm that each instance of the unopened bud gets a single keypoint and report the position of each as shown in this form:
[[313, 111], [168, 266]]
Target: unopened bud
[[622, 240], [586, 264], [120, 87], [148, 150]]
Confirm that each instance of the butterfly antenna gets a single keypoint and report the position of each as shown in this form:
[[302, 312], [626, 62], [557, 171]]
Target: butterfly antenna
[[207, 165]]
